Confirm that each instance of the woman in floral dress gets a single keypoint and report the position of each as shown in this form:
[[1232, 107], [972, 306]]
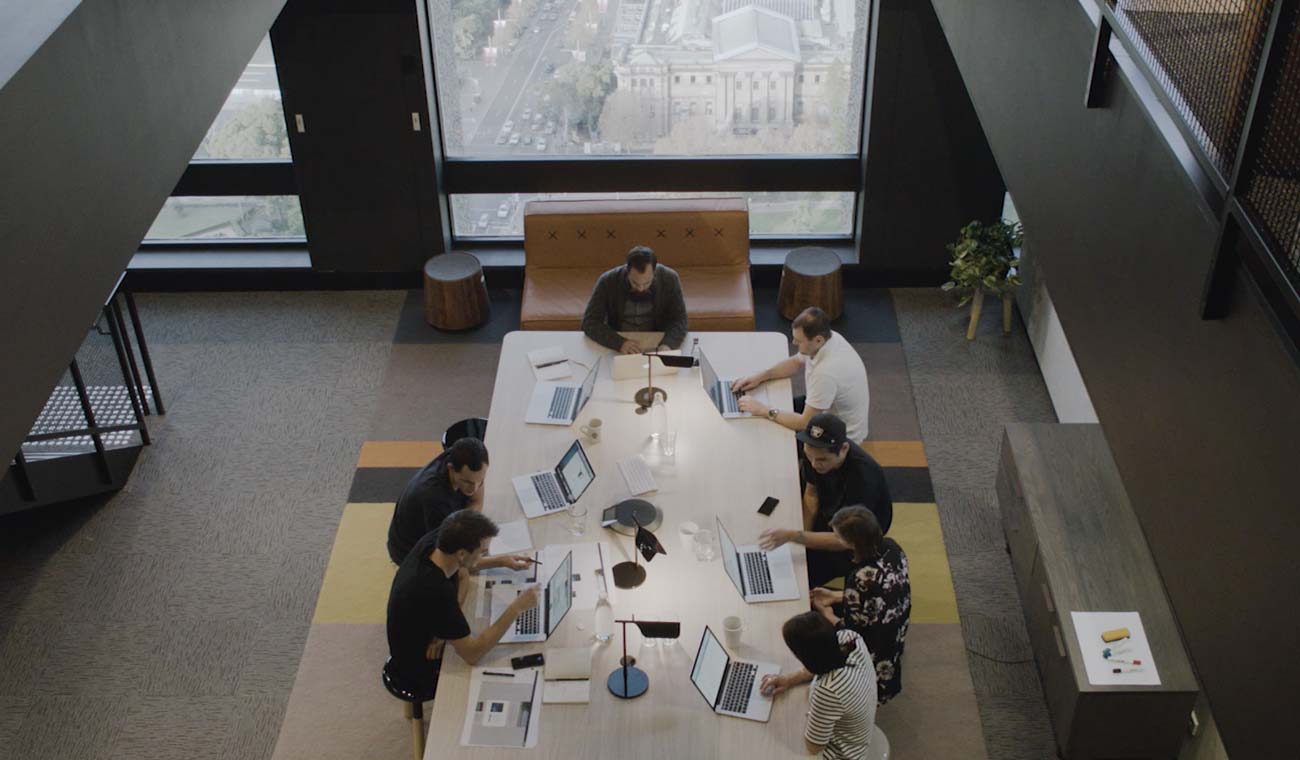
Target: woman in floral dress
[[877, 598]]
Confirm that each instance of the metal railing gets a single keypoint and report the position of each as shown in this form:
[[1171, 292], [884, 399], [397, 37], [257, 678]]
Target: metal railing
[[138, 393], [1228, 74]]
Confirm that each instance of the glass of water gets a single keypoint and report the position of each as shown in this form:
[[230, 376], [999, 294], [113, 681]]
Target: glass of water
[[704, 550], [578, 520], [668, 443]]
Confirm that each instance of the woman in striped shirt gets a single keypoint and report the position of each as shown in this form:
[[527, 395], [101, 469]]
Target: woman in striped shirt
[[842, 699]]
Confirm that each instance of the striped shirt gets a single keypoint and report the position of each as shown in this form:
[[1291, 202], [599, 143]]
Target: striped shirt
[[842, 704]]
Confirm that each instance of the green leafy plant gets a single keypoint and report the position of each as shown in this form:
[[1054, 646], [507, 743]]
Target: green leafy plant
[[984, 259]]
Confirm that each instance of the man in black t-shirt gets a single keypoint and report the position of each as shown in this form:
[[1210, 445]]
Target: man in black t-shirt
[[451, 482], [838, 474], [424, 603]]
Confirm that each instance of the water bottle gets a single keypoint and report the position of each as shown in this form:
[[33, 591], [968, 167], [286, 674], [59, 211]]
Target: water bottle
[[658, 417], [604, 619], [695, 354]]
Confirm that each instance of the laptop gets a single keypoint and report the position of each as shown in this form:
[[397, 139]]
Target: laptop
[[538, 623], [719, 390], [632, 366], [561, 403], [729, 686], [759, 576], [542, 493]]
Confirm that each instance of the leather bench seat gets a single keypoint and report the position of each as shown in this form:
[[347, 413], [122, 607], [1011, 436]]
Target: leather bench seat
[[717, 298], [568, 244]]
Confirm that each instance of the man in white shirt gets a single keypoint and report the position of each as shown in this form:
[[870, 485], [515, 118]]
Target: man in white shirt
[[834, 375]]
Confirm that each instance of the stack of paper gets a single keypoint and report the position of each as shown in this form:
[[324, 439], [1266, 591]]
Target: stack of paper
[[513, 537], [550, 363]]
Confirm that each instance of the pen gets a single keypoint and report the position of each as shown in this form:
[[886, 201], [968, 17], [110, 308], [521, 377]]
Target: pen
[[495, 673], [550, 364]]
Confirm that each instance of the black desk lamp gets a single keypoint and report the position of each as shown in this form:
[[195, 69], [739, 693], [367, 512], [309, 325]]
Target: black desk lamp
[[627, 681]]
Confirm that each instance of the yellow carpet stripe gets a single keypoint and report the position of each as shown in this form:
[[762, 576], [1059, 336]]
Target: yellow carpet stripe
[[897, 453], [359, 573], [916, 529]]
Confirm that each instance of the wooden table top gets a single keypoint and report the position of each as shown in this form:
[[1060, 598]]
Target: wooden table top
[[723, 468]]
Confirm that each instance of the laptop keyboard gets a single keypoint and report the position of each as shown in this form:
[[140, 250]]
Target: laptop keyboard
[[562, 403], [529, 622], [549, 491], [730, 400], [757, 573], [740, 684], [637, 474]]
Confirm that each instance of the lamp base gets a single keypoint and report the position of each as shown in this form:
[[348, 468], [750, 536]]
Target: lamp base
[[645, 397], [634, 685], [628, 575]]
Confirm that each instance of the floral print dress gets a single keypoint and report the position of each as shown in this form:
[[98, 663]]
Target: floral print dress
[[877, 605]]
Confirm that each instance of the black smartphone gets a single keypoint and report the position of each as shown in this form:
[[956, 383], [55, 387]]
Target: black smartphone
[[527, 661], [769, 504]]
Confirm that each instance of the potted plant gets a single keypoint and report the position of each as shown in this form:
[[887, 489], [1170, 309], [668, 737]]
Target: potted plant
[[985, 259]]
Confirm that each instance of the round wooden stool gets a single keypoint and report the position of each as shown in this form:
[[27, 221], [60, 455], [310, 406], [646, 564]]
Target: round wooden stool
[[455, 295], [811, 277]]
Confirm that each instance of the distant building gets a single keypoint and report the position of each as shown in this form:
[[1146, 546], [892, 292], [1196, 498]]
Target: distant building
[[761, 64]]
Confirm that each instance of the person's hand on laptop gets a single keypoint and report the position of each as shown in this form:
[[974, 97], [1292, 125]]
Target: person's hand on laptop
[[775, 537], [743, 384], [630, 347], [752, 405], [526, 600]]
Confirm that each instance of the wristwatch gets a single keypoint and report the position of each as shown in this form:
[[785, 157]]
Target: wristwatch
[[771, 414]]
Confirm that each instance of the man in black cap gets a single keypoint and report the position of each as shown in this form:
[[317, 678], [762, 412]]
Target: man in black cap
[[838, 474]]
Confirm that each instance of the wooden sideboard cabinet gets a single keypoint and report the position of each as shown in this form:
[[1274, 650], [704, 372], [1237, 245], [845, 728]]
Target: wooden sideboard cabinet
[[1076, 545]]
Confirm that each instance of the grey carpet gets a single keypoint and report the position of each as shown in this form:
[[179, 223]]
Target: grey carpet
[[965, 392], [168, 620]]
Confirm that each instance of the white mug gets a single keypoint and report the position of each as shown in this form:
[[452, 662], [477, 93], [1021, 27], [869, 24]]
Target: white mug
[[592, 429], [731, 628]]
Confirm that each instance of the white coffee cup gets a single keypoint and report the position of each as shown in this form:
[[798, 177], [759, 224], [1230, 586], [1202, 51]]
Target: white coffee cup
[[686, 532], [592, 429], [731, 628]]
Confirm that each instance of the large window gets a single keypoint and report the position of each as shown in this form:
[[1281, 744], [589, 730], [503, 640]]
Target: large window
[[225, 192], [676, 78], [229, 216], [251, 123], [770, 214]]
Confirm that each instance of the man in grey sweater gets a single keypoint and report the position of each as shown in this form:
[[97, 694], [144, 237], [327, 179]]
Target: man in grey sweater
[[640, 296]]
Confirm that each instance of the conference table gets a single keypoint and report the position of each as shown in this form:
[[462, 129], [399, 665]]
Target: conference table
[[722, 468]]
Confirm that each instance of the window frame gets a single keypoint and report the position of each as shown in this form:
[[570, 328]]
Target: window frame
[[476, 175]]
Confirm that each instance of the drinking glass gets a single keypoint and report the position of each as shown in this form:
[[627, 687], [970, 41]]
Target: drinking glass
[[704, 551], [578, 520]]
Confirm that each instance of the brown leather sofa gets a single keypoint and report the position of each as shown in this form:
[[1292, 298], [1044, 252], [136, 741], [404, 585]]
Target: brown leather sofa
[[568, 244]]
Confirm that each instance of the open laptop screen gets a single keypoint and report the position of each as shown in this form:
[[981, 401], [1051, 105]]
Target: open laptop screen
[[710, 665], [588, 388], [709, 379], [576, 471], [559, 591], [729, 559]]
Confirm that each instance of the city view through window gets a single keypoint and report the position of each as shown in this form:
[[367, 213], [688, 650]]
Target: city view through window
[[521, 78], [250, 126]]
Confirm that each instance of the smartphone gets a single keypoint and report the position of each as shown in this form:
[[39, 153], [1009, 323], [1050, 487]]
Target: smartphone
[[527, 661], [769, 504]]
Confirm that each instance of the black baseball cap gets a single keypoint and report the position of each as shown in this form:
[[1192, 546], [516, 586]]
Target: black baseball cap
[[824, 431]]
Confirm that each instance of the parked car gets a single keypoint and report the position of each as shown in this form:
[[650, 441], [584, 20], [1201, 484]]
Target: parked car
[[509, 125], [503, 210], [514, 138], [541, 143], [483, 220], [501, 138], [527, 114], [528, 140]]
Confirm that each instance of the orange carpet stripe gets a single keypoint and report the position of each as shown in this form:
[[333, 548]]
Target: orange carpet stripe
[[897, 453], [398, 453]]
